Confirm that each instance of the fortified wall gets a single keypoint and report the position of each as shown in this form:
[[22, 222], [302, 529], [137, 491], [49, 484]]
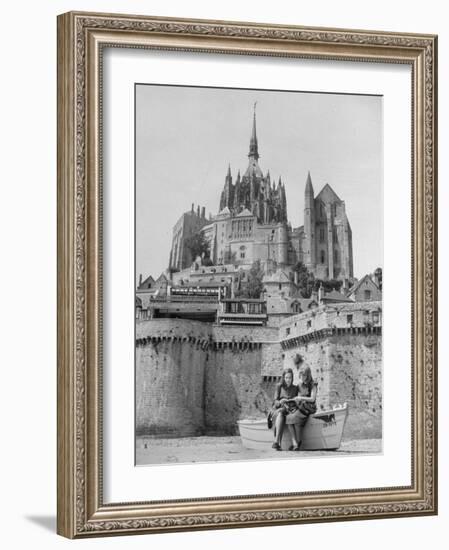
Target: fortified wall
[[195, 378], [342, 344]]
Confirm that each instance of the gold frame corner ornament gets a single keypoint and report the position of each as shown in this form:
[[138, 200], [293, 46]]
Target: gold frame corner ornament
[[81, 36]]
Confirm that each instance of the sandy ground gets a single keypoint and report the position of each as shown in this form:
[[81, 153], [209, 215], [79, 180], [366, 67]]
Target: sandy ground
[[219, 449]]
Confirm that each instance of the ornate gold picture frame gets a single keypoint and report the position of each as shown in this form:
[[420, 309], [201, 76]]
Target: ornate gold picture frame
[[82, 41]]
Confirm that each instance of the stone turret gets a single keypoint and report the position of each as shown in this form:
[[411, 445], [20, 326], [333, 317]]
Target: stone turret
[[309, 225], [227, 195]]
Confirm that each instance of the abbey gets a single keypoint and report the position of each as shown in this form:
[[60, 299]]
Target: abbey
[[252, 224]]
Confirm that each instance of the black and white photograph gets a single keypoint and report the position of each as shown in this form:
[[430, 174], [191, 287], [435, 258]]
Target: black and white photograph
[[229, 220], [258, 273]]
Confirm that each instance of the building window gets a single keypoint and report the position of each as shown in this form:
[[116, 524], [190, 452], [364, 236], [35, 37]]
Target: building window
[[323, 257], [321, 234], [309, 324], [375, 317], [335, 236], [280, 286], [234, 307], [287, 331], [349, 319], [335, 256], [254, 308], [367, 294], [242, 254]]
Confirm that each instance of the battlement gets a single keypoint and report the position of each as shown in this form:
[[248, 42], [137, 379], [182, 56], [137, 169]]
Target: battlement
[[204, 335], [338, 318]]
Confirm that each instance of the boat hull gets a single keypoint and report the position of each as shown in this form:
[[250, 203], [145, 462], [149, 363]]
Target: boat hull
[[323, 430]]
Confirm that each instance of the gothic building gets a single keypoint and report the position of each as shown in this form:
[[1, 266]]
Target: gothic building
[[326, 235], [254, 191], [252, 224]]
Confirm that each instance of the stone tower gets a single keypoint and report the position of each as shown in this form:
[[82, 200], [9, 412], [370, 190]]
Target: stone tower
[[309, 250], [332, 236]]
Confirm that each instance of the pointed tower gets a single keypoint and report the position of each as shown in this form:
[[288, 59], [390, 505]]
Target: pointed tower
[[228, 175], [253, 169], [283, 203], [309, 225], [228, 191], [253, 146], [236, 198]]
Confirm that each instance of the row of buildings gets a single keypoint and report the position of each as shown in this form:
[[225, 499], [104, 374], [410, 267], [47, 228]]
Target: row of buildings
[[252, 225], [207, 295]]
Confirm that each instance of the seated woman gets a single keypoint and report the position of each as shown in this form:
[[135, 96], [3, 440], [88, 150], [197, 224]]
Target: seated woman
[[306, 405], [284, 405]]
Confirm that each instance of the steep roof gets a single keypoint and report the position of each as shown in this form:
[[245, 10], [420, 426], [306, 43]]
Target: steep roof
[[244, 213], [335, 296], [224, 212], [147, 283], [305, 303], [357, 285], [161, 279], [253, 169], [328, 195], [277, 277]]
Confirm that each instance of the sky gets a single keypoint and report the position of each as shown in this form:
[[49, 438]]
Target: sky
[[187, 136]]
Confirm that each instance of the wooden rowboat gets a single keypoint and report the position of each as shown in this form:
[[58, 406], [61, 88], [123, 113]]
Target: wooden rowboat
[[323, 430]]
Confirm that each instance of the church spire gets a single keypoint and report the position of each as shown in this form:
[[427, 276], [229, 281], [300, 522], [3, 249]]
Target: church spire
[[309, 187], [253, 146]]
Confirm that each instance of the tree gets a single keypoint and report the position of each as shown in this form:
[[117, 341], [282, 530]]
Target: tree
[[207, 261], [197, 245], [254, 286], [328, 286], [378, 276], [306, 280], [255, 276]]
